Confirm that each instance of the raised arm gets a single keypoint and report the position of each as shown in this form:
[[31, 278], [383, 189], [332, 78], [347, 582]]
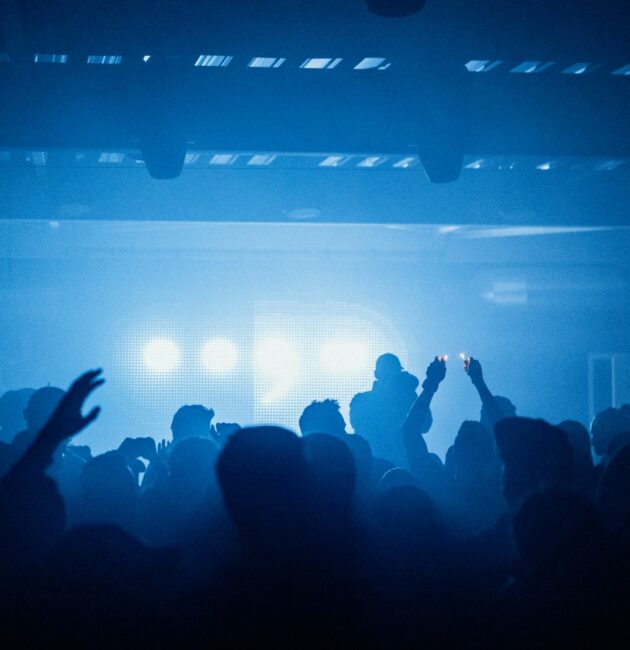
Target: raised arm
[[31, 508], [66, 421], [419, 412], [474, 371], [421, 463]]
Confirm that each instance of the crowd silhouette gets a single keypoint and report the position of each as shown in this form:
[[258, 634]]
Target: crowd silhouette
[[259, 537]]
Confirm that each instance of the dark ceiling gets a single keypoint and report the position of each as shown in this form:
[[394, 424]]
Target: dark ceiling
[[547, 113]]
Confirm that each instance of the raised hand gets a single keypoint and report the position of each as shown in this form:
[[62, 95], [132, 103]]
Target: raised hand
[[435, 373], [473, 369], [67, 419], [162, 448], [133, 448]]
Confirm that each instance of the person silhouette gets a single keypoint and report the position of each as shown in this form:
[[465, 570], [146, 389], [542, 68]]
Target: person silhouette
[[379, 413], [13, 403], [38, 411]]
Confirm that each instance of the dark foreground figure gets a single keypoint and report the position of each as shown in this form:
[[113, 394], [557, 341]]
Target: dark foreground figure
[[258, 537]]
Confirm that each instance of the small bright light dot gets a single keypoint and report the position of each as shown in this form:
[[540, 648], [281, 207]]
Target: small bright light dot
[[344, 357], [219, 356], [161, 355]]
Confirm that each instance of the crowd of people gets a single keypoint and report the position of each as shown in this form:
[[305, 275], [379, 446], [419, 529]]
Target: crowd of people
[[261, 537]]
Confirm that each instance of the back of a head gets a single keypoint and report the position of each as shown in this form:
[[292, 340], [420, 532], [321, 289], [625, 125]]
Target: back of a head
[[605, 426], [406, 518], [395, 477], [387, 365], [263, 476], [613, 493], [322, 417], [191, 421], [507, 408], [332, 472], [580, 442], [108, 489], [41, 406], [13, 403], [473, 446], [535, 455], [193, 461]]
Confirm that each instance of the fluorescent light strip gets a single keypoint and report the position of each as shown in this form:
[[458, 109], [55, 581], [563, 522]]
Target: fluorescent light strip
[[404, 163], [265, 62], [577, 68], [334, 161], [38, 158], [320, 64], [476, 164], [108, 59], [50, 58], [482, 66], [223, 159], [624, 70], [261, 159], [528, 67], [191, 158], [111, 157], [213, 60], [371, 62], [371, 161]]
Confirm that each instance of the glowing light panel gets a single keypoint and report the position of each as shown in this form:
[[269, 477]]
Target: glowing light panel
[[345, 357], [161, 355]]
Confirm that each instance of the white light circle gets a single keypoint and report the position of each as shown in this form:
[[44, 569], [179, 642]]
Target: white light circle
[[219, 356], [344, 357], [161, 355]]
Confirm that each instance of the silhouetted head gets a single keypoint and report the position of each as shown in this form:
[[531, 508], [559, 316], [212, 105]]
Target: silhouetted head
[[13, 403], [507, 408], [580, 442], [332, 473], [473, 449], [323, 417], [605, 426], [263, 476], [556, 529], [191, 465], [41, 406], [613, 494], [395, 477], [108, 490], [535, 455], [620, 441], [387, 366], [406, 521], [191, 422]]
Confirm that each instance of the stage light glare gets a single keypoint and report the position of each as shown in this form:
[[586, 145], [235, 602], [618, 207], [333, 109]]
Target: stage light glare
[[219, 356], [344, 357], [161, 355]]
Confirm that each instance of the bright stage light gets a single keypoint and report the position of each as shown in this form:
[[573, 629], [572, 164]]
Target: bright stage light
[[280, 361], [161, 355], [219, 356], [344, 357]]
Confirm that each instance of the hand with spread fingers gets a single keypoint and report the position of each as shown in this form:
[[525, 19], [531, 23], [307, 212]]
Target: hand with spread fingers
[[67, 419]]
